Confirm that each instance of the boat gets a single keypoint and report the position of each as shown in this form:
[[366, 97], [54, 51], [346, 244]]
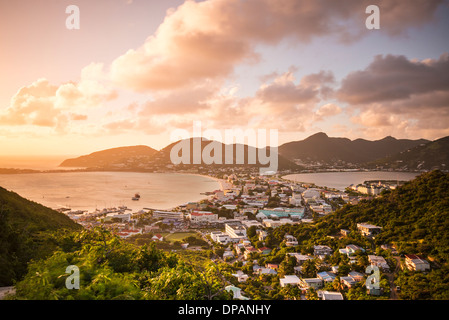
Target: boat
[[136, 197]]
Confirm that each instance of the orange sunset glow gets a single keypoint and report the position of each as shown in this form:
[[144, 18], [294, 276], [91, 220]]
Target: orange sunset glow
[[135, 71]]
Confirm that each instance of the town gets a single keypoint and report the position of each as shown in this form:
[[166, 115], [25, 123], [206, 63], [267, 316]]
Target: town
[[246, 224]]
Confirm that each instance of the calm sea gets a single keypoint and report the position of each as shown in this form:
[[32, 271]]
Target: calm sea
[[98, 190], [341, 180], [33, 162]]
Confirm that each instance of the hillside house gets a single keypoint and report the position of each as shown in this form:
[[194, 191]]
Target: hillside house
[[368, 230], [416, 263]]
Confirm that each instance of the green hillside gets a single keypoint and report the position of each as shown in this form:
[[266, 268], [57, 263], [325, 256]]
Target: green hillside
[[415, 216], [414, 219], [24, 227], [428, 156], [112, 157]]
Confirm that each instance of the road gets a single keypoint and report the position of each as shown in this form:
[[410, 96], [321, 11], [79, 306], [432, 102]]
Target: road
[[393, 292], [5, 290]]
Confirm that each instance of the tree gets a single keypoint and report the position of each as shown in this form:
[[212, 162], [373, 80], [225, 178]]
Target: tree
[[311, 294], [309, 268]]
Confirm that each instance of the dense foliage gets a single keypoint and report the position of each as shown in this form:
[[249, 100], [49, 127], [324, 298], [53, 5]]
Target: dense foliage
[[111, 268], [24, 233]]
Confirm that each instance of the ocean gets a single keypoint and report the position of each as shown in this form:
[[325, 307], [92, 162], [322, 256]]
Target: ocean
[[98, 190]]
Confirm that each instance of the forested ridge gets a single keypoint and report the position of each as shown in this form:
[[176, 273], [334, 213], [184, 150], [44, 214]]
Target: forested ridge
[[25, 228]]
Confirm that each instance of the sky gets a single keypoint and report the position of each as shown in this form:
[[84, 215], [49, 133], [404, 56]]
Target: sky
[[137, 70]]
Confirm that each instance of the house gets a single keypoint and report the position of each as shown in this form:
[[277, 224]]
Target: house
[[241, 277], [262, 270], [344, 232], [262, 234], [375, 291], [320, 250], [357, 276], [157, 237], [264, 250], [416, 263], [298, 269], [300, 258], [237, 292], [290, 241], [380, 262], [329, 295], [351, 249], [307, 283], [348, 281], [326, 276], [228, 254], [248, 251], [272, 266], [291, 280], [368, 230]]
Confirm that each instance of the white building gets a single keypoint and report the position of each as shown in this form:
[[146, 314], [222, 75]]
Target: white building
[[329, 295], [296, 199], [289, 280], [290, 241], [168, 215], [236, 232], [311, 193], [202, 216], [220, 237]]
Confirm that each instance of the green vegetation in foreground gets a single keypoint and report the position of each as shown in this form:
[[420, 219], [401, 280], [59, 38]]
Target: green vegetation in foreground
[[25, 234], [111, 268]]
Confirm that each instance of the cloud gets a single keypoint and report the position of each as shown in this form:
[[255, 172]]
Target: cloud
[[390, 78], [284, 96], [326, 111], [206, 40], [410, 97], [32, 104], [181, 101], [47, 105]]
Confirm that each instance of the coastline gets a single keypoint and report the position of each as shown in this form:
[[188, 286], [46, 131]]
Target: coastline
[[164, 203], [224, 185]]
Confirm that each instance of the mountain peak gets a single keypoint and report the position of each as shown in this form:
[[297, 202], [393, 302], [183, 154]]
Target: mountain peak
[[388, 138], [319, 135]]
